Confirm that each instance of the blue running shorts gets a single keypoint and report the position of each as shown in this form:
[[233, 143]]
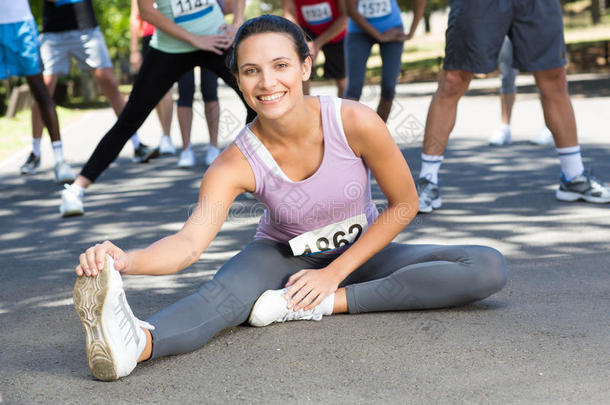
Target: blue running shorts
[[19, 45]]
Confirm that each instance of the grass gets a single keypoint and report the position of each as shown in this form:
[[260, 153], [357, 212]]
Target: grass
[[16, 132]]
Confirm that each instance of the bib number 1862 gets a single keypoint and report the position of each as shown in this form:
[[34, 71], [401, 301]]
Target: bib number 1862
[[330, 236]]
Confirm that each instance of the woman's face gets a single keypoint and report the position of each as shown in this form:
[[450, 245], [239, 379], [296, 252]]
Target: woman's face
[[270, 73]]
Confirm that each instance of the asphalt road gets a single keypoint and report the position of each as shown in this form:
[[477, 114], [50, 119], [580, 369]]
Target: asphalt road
[[543, 339]]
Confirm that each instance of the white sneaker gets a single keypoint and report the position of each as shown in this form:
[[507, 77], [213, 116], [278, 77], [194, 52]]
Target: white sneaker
[[500, 136], [71, 202], [115, 338], [211, 154], [187, 158], [270, 307], [166, 147], [63, 173], [544, 137]]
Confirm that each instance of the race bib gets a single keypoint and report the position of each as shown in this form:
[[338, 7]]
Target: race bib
[[317, 13], [329, 237], [185, 10], [374, 8], [64, 2]]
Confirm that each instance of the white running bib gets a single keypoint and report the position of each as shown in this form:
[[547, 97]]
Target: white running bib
[[183, 9], [329, 237], [374, 8], [317, 13]]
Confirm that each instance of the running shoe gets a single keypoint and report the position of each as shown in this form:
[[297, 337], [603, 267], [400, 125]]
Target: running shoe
[[211, 154], [429, 195], [114, 336], [500, 136], [71, 202], [31, 164], [187, 158], [270, 307], [143, 153], [544, 137], [166, 147], [584, 187], [63, 173]]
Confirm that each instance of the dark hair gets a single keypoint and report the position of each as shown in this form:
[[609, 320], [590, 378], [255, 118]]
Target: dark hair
[[270, 23]]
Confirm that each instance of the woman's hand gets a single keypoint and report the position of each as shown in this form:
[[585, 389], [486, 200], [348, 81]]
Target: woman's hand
[[308, 288], [229, 30], [135, 60], [313, 50], [92, 261], [393, 35], [212, 43]]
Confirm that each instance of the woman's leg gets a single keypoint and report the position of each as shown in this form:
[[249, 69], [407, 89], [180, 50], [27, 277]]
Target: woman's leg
[[404, 277], [158, 72], [226, 300], [357, 50], [217, 64], [390, 69], [209, 92], [186, 92]]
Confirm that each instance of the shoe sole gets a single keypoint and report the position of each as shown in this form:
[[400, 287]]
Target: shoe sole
[[89, 297], [73, 213], [571, 197], [153, 155], [499, 144], [434, 205]]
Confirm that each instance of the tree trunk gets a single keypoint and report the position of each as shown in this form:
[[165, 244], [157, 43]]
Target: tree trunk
[[596, 11], [427, 22]]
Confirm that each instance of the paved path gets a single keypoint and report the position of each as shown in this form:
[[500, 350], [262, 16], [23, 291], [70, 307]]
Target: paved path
[[542, 339]]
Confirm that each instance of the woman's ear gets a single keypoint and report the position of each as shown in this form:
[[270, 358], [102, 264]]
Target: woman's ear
[[306, 65]]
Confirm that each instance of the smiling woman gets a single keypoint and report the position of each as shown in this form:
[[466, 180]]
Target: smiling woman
[[321, 246]]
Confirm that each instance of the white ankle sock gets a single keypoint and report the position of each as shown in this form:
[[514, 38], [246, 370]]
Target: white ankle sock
[[571, 161], [327, 305], [135, 140], [58, 151], [430, 164], [36, 146]]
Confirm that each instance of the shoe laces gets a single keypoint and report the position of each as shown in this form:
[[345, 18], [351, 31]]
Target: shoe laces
[[302, 315]]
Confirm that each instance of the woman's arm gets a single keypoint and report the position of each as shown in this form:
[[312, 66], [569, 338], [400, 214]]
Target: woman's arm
[[354, 14], [370, 139], [229, 176], [288, 10], [337, 27], [390, 35], [213, 43], [135, 27], [418, 11]]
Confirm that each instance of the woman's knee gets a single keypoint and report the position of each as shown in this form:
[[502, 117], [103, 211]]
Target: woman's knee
[[490, 270]]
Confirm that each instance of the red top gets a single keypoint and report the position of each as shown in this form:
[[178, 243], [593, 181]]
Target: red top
[[317, 15], [147, 28]]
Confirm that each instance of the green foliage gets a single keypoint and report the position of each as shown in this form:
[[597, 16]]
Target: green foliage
[[113, 17]]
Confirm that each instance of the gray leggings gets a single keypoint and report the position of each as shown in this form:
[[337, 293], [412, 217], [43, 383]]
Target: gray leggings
[[357, 50], [399, 277], [508, 73]]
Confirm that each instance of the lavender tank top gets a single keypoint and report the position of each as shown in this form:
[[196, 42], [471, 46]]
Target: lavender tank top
[[340, 189]]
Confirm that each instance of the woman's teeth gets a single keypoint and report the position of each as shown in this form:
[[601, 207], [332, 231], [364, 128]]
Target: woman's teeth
[[271, 97]]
